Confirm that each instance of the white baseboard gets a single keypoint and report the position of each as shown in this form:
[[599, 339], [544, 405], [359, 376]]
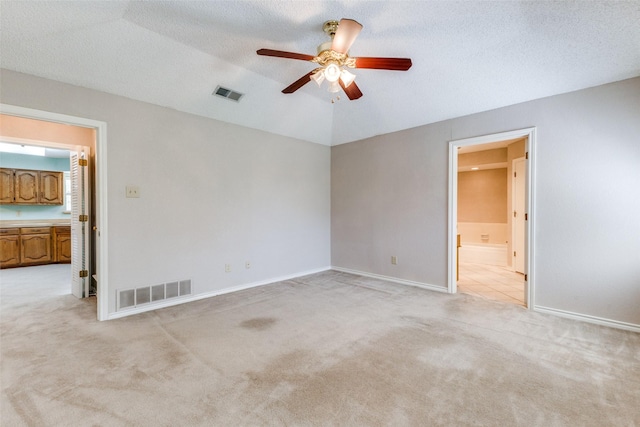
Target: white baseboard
[[392, 279], [587, 318], [541, 309], [197, 297]]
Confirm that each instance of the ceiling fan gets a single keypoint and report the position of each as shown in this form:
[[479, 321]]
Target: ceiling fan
[[333, 58]]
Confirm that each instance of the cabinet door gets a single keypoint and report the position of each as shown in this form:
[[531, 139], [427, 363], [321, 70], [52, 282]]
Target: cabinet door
[[35, 249], [63, 244], [9, 251], [6, 185], [51, 188], [26, 186]]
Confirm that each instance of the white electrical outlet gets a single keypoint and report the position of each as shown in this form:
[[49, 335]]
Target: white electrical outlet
[[132, 191], [394, 260], [227, 268], [247, 265]]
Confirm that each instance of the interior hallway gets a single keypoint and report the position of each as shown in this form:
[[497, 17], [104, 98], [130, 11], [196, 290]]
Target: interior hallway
[[491, 281]]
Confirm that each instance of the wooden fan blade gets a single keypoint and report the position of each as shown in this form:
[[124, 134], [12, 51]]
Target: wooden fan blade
[[398, 64], [346, 34], [352, 91], [298, 83], [283, 54]]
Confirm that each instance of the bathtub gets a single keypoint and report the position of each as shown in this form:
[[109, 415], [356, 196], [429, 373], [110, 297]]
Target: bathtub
[[484, 253]]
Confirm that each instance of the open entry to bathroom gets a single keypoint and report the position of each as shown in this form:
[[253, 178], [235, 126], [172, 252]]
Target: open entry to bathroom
[[490, 194]]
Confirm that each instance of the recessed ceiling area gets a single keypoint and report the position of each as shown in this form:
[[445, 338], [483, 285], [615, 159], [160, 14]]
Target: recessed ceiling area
[[492, 155], [468, 56], [488, 146], [32, 150]]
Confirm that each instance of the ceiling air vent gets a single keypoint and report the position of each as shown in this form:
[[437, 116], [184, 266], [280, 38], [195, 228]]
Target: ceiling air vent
[[228, 93]]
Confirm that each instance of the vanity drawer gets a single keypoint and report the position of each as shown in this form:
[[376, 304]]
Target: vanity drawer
[[9, 231], [35, 230]]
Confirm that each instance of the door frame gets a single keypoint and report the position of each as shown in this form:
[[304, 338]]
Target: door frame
[[101, 235], [530, 134]]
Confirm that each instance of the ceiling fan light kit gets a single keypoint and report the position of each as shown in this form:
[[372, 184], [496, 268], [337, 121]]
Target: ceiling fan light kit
[[334, 87], [347, 77], [333, 59], [332, 72]]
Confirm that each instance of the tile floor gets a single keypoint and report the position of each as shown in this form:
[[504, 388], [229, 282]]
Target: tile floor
[[491, 281]]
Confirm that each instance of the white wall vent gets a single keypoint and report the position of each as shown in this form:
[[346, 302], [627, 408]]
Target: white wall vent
[[228, 93], [131, 298], [171, 290], [185, 287], [157, 293]]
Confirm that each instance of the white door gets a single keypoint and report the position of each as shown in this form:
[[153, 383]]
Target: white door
[[80, 235], [518, 220]]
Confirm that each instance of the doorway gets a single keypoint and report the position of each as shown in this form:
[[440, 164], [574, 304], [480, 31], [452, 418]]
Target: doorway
[[67, 219], [96, 233], [489, 255]]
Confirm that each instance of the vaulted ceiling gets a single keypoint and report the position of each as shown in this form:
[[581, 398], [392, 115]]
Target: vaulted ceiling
[[468, 56]]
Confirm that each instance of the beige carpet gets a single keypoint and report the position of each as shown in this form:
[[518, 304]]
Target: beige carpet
[[327, 349]]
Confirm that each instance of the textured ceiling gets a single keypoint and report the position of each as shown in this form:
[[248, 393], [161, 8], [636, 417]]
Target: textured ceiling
[[467, 56]]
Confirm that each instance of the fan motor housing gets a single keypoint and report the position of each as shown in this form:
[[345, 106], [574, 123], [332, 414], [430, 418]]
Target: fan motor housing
[[324, 46], [330, 28]]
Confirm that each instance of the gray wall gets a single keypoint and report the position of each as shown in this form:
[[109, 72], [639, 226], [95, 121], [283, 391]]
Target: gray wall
[[389, 197], [212, 193], [215, 193]]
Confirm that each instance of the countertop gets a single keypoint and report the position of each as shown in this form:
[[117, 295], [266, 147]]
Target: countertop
[[34, 223]]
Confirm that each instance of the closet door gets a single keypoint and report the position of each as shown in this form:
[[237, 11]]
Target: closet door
[[80, 237]]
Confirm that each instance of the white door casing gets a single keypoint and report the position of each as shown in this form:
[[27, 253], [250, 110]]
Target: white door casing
[[529, 239], [101, 217]]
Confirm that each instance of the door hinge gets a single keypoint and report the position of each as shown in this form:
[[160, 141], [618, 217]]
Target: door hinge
[[83, 218], [83, 273], [514, 214], [83, 162], [526, 155], [525, 277], [514, 174], [526, 217], [514, 253]]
